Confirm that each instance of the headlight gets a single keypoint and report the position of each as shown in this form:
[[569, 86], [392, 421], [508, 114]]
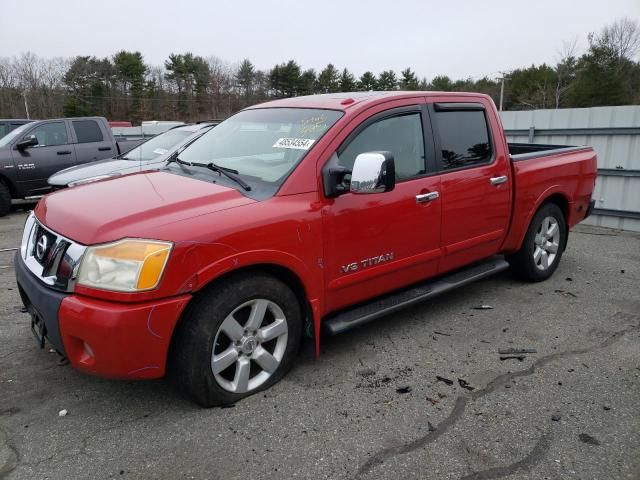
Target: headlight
[[27, 240], [128, 265], [89, 180]]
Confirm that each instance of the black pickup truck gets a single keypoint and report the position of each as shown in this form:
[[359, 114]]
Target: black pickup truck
[[32, 152]]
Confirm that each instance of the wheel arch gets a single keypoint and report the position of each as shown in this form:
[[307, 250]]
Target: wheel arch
[[558, 199], [282, 273], [12, 188], [519, 229], [562, 202]]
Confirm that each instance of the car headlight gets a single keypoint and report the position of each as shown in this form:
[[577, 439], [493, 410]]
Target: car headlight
[[89, 180], [128, 265], [27, 240]]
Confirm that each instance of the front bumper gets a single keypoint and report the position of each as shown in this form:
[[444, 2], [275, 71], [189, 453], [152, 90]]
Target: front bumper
[[37, 297], [107, 339]]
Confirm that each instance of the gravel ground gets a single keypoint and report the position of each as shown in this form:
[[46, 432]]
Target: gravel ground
[[571, 410]]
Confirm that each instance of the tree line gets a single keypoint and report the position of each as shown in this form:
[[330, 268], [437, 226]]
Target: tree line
[[190, 87]]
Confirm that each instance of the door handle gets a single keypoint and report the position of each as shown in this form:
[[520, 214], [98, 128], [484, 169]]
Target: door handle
[[427, 197], [104, 149], [498, 180], [64, 152]]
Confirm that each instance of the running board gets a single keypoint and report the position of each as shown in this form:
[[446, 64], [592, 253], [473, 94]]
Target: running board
[[363, 313]]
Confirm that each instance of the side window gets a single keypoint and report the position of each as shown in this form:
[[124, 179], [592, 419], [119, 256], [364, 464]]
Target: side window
[[87, 131], [50, 134], [464, 138], [401, 135]]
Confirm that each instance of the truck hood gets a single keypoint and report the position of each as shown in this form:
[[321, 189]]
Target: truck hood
[[132, 206], [109, 167]]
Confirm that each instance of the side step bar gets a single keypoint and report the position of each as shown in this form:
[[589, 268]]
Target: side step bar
[[363, 313]]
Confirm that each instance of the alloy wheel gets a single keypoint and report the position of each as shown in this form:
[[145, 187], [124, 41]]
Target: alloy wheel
[[546, 243], [249, 345]]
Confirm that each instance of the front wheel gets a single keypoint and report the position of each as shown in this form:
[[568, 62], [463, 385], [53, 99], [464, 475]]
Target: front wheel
[[543, 245], [236, 339]]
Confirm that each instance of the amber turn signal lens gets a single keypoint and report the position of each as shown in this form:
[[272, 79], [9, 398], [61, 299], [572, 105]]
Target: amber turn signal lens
[[128, 265]]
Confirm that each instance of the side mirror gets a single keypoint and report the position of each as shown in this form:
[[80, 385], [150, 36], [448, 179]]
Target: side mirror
[[373, 172], [25, 143]]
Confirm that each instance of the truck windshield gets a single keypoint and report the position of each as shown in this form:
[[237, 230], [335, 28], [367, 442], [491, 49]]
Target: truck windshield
[[158, 145], [264, 144], [8, 138]]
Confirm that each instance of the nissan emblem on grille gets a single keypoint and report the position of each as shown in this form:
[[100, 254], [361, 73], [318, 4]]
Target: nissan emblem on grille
[[41, 247]]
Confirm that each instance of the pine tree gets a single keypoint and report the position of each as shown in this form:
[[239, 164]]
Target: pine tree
[[367, 82], [328, 80], [387, 80]]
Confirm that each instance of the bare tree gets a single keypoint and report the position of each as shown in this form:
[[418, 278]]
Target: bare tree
[[623, 36], [221, 86], [9, 97], [7, 73], [565, 69]]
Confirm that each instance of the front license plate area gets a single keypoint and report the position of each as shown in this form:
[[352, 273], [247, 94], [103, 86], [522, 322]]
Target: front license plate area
[[38, 327]]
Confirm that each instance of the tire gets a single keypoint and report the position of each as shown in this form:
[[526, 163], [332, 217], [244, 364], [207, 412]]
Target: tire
[[542, 246], [226, 328], [5, 199]]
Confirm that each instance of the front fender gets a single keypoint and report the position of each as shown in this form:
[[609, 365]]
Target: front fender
[[312, 284], [251, 258]]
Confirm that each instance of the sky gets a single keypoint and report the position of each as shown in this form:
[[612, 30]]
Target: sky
[[459, 38]]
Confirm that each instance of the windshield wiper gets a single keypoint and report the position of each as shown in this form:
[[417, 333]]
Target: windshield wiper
[[230, 173]]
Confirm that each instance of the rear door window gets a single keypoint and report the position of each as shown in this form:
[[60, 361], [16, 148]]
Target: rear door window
[[463, 137], [87, 131]]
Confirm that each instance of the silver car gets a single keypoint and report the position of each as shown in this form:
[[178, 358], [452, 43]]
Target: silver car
[[150, 155]]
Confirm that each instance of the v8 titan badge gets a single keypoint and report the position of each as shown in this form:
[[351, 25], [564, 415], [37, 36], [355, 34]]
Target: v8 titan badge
[[367, 262]]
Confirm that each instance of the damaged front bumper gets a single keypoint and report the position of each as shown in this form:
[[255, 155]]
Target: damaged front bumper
[[107, 339]]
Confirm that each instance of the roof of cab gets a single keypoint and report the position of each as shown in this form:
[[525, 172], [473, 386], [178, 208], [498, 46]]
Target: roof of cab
[[338, 101]]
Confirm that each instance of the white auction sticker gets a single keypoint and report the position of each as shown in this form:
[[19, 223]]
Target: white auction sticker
[[297, 143]]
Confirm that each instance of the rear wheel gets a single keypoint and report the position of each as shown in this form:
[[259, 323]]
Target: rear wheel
[[543, 245], [5, 199], [236, 339]]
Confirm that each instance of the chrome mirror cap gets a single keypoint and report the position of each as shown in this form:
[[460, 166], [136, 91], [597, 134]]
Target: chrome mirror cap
[[373, 172]]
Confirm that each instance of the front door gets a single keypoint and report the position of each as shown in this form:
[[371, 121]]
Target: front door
[[53, 153], [375, 243]]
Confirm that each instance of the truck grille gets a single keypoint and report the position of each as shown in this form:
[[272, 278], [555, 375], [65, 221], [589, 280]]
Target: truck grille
[[43, 245], [52, 258]]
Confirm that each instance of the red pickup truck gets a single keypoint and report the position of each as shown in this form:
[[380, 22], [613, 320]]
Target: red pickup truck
[[289, 218]]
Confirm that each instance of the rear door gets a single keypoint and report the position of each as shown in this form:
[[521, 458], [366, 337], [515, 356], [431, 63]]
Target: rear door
[[53, 152], [93, 142], [476, 181], [376, 243]]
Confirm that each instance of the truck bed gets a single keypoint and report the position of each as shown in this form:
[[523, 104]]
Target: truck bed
[[526, 151], [567, 171]]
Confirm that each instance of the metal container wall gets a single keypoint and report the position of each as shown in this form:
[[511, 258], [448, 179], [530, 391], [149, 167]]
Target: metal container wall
[[614, 133]]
